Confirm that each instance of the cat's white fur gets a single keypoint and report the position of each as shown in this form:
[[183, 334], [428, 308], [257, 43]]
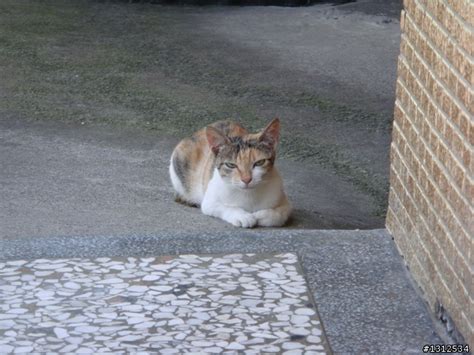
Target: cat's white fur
[[195, 196], [175, 181], [264, 204]]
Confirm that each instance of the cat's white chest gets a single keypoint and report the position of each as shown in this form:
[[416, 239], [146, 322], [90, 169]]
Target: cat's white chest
[[259, 198]]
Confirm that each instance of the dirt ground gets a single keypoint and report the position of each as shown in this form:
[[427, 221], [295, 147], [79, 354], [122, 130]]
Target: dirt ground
[[327, 71]]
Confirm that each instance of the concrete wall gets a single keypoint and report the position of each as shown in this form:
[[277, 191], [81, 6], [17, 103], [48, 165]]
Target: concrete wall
[[431, 193]]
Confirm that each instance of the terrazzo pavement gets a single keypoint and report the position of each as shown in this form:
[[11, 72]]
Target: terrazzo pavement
[[207, 304], [364, 295]]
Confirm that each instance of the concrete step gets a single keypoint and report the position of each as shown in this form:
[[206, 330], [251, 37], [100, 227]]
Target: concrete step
[[365, 297]]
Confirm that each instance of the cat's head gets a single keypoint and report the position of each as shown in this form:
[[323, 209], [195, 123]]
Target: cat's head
[[245, 161]]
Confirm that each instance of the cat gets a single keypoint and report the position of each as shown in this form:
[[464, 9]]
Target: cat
[[230, 174]]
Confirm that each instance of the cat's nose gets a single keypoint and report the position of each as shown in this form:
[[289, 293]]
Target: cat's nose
[[246, 180]]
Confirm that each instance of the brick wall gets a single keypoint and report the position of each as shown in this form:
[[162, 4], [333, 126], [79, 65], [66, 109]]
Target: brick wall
[[431, 193]]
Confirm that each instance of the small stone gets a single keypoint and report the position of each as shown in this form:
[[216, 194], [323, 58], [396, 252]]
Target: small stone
[[283, 317], [202, 315], [45, 294], [145, 325], [292, 345], [74, 340], [132, 308], [201, 343], [112, 280], [235, 346], [264, 335], [151, 277], [64, 269], [250, 302], [299, 331], [137, 320], [43, 273], [18, 311], [138, 288], [305, 312], [244, 279], [212, 350], [168, 309], [165, 298], [313, 339], [293, 352], [102, 260], [278, 270], [61, 333], [72, 285], [287, 300], [8, 316], [299, 319], [7, 324], [130, 337], [49, 266], [194, 321], [292, 289], [163, 315], [268, 275], [270, 349], [148, 260], [160, 338], [6, 349], [176, 321], [315, 347], [161, 288], [161, 267], [111, 315], [86, 329], [16, 262], [68, 348]]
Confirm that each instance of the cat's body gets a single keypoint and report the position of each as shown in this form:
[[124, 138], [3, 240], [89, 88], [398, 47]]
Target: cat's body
[[230, 173]]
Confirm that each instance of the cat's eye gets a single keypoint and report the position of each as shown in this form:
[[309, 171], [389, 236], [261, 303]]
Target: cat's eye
[[259, 162], [230, 165]]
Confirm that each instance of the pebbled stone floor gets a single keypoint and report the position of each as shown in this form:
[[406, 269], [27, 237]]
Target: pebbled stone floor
[[237, 303]]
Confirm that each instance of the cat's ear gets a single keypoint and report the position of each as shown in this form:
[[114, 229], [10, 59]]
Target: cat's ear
[[216, 139], [271, 134]]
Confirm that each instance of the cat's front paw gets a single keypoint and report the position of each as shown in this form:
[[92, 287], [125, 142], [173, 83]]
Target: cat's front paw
[[269, 218], [244, 220]]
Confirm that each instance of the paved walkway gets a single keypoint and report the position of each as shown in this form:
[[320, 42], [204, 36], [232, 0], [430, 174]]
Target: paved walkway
[[327, 71], [64, 179]]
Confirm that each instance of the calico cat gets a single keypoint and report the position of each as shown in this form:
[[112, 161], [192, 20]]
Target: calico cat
[[230, 173]]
